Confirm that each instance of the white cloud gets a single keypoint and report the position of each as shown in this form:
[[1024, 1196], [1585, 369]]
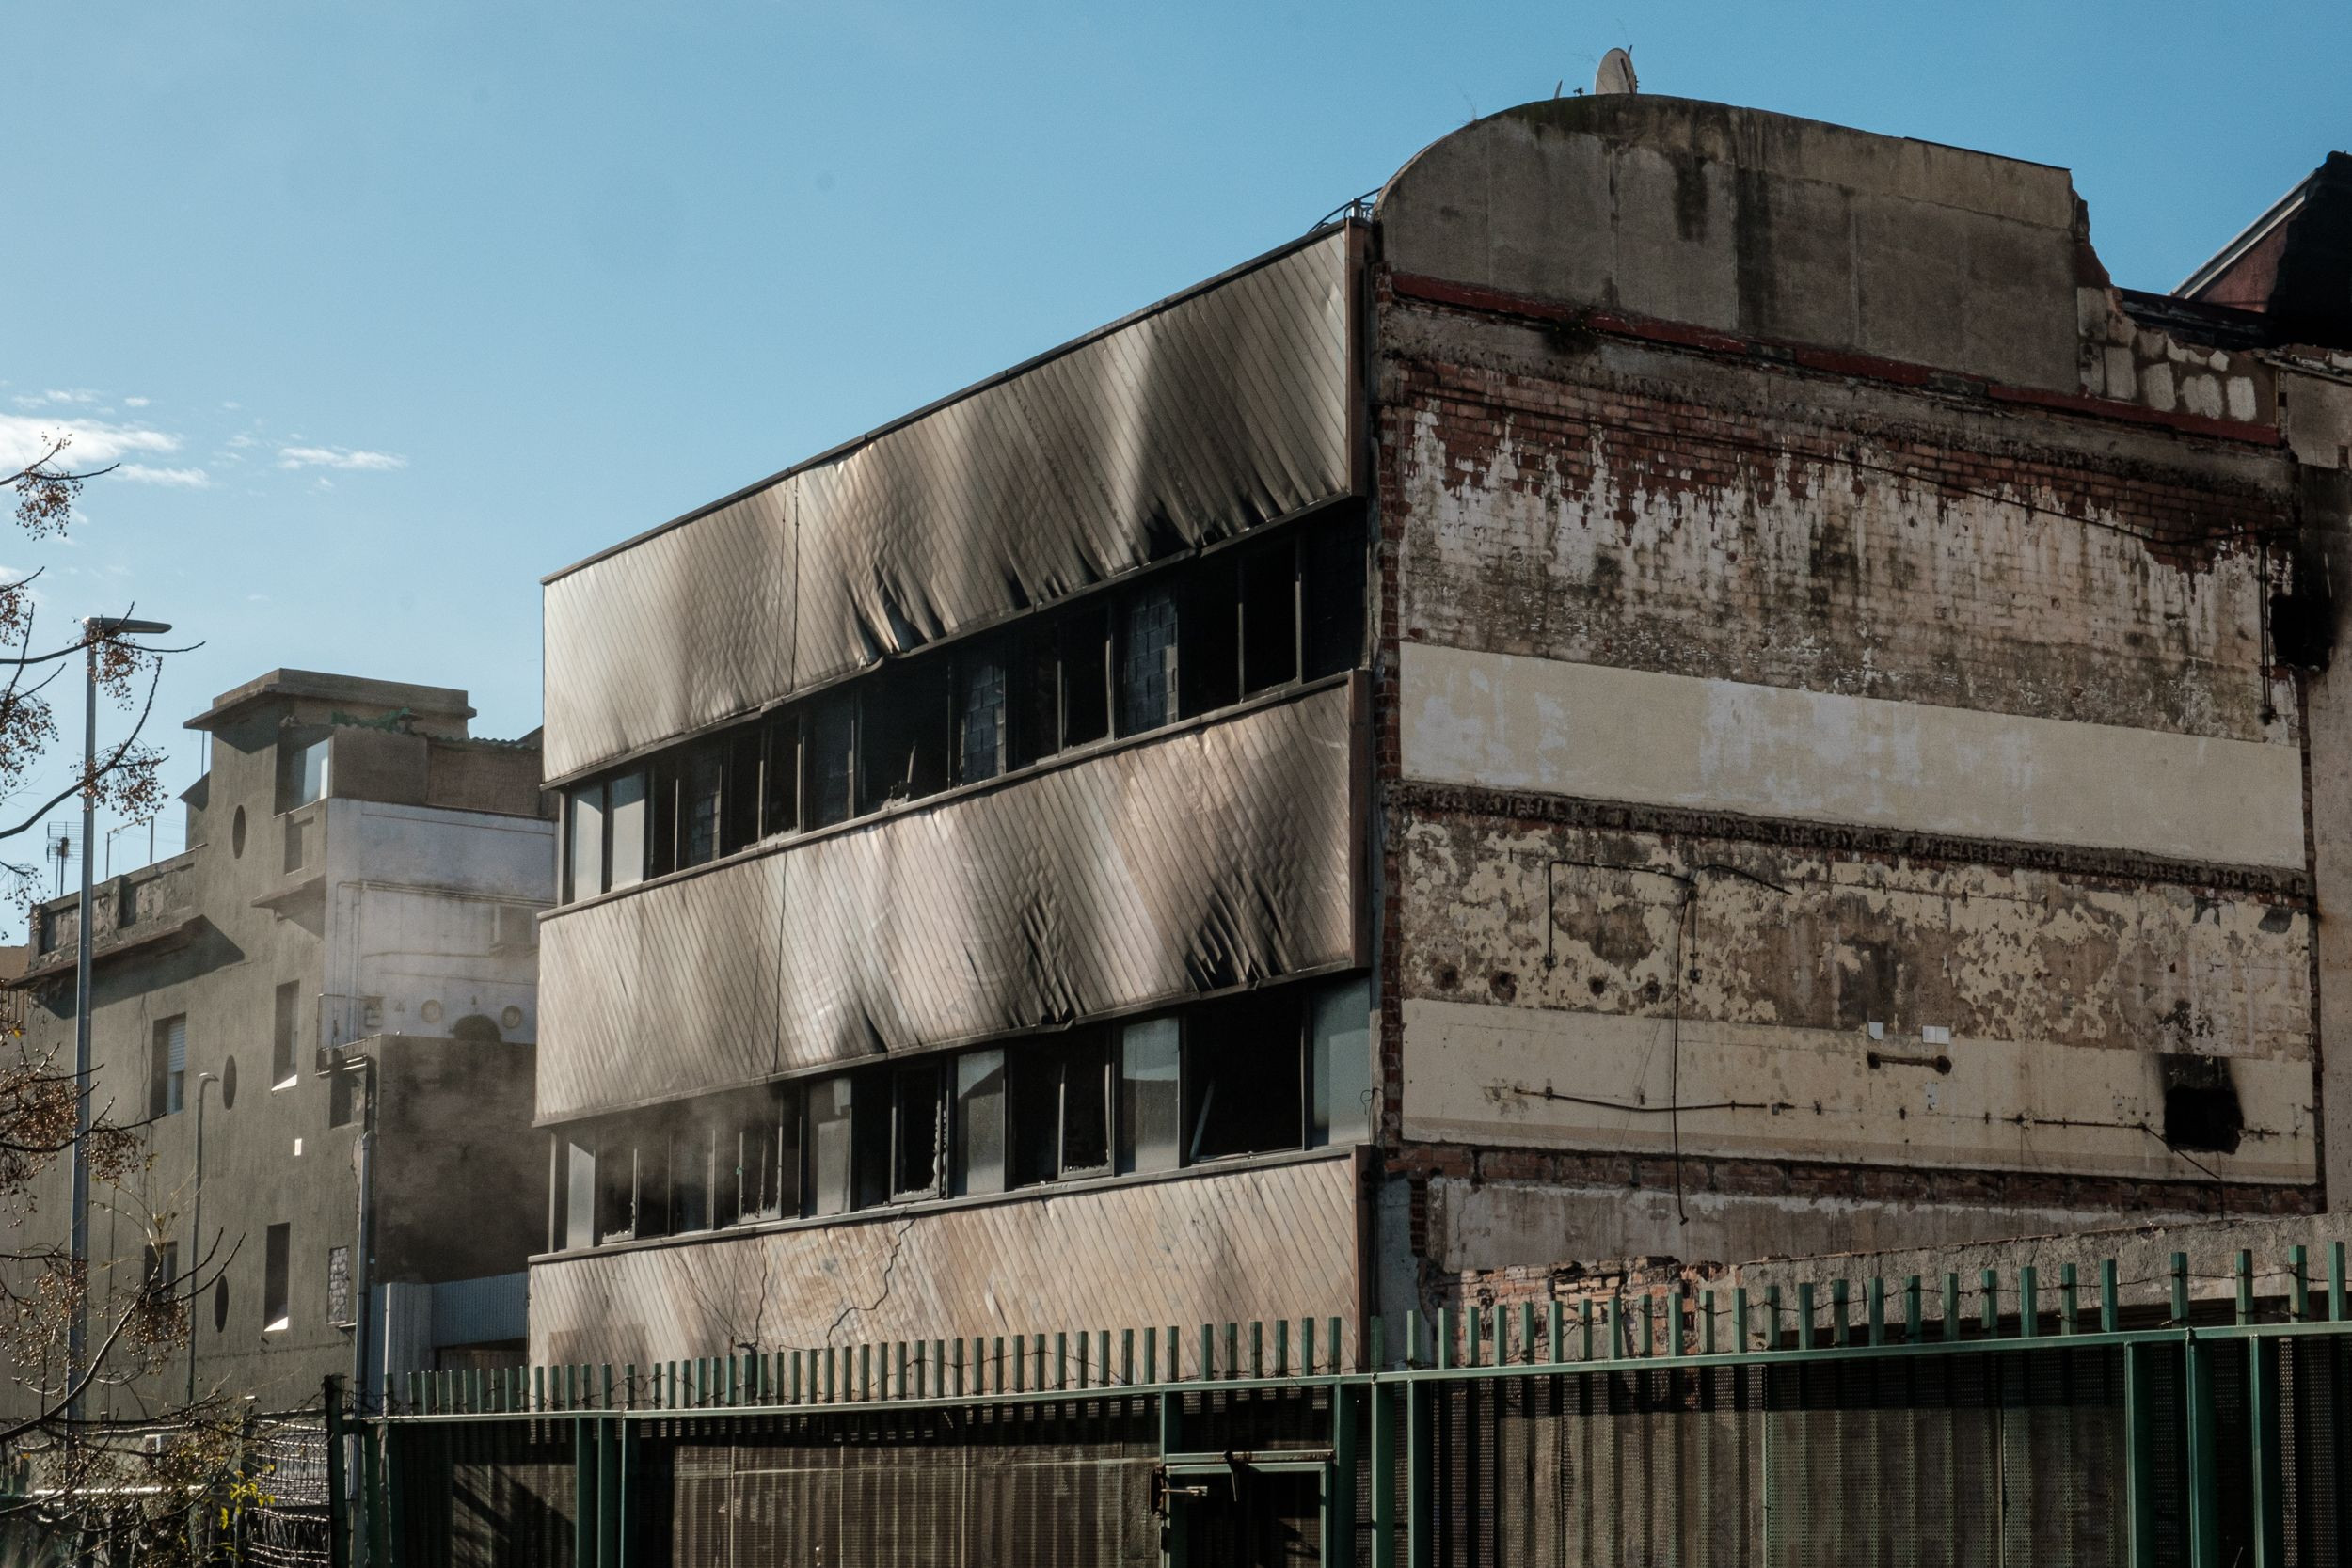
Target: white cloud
[[75, 397], [185, 479], [338, 457], [94, 443], [135, 402]]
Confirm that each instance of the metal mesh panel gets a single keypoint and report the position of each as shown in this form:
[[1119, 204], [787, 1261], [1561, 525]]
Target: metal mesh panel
[[488, 1497], [2314, 1403]]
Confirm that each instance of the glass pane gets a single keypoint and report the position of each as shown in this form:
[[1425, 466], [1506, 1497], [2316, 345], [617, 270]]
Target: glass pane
[[690, 1177], [624, 800], [585, 872], [915, 1173], [1033, 699], [788, 1152], [1085, 1142], [1338, 1045], [738, 823], [831, 727], [1147, 661], [979, 716], [979, 1145], [315, 779], [829, 1146], [698, 804], [1150, 1112], [579, 1194], [781, 811]]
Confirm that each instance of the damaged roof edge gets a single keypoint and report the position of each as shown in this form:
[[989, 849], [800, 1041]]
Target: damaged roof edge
[[842, 448]]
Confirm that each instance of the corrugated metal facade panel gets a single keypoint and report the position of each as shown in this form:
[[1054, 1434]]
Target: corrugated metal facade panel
[[1083, 890], [1188, 425], [1258, 1243]]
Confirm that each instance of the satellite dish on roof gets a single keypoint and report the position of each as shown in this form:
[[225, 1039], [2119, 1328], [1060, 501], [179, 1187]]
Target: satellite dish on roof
[[1615, 74]]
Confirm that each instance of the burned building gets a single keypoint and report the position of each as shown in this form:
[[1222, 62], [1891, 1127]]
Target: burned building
[[321, 1015], [1691, 682]]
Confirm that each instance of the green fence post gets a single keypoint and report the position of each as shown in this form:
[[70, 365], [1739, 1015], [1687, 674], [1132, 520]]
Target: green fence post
[[2205, 1501], [1471, 1318], [1420, 1529], [2139, 1438], [2335, 1282], [2180, 1289], [1174, 1544], [1233, 1350], [375, 1490], [2110, 1303], [1837, 1312], [1383, 1479], [1445, 1339], [1527, 1331], [2298, 1283], [2068, 1301], [1951, 1305], [1331, 1332], [1678, 1307], [608, 1438], [2028, 1302], [1990, 1284], [1584, 1322], [1707, 1321], [1339, 1492], [1556, 1344], [2242, 1267], [2267, 1493], [624, 1540], [585, 1484], [1877, 1309], [1912, 1315], [1804, 1315], [1151, 1356], [1739, 1318]]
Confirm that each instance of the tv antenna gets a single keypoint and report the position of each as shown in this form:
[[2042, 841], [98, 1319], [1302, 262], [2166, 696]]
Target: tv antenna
[[62, 849]]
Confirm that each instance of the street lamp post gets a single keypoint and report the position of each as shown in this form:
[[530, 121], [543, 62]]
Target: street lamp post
[[95, 629]]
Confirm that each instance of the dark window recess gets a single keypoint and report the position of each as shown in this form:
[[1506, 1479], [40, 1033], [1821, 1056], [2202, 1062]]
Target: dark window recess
[[1086, 685], [2201, 1112], [698, 804], [167, 1065], [829, 1101], [1243, 1088], [1146, 660], [346, 1098], [1269, 617], [277, 1259], [1332, 592], [739, 795], [1034, 703], [902, 730], [780, 804], [1209, 662], [616, 1188], [921, 1106], [661, 842], [160, 1274], [829, 766], [980, 715], [1060, 1107], [284, 1063]]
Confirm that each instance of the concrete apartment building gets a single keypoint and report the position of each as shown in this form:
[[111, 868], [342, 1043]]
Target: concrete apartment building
[[1695, 683], [358, 893]]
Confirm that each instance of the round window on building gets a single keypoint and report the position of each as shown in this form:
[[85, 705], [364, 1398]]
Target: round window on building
[[430, 1013], [236, 833], [228, 1085], [512, 1018]]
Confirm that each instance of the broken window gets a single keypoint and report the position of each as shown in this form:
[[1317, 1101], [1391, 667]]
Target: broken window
[[584, 870], [1269, 617], [2201, 1110], [285, 1029], [979, 1123], [661, 816], [625, 810], [277, 1259], [869, 1141], [902, 728], [916, 1131], [1151, 1108], [830, 760], [1060, 1107], [1339, 1051], [1146, 659], [759, 1176], [1086, 682], [1243, 1093], [616, 1166], [1209, 662], [1035, 697], [167, 1065], [346, 1096], [739, 795], [828, 1100], [1331, 590], [980, 715]]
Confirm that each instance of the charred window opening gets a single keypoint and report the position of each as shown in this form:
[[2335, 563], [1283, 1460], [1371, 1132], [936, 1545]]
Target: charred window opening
[[1243, 1093], [2201, 1112], [1276, 1069], [285, 1031], [1190, 639]]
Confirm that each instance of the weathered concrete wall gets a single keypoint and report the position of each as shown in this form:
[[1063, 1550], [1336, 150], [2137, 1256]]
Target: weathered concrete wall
[[1825, 804]]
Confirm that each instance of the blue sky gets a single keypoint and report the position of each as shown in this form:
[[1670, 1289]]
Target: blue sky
[[391, 308]]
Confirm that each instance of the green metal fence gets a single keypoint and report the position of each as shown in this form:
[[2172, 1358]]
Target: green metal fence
[[1947, 1422]]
